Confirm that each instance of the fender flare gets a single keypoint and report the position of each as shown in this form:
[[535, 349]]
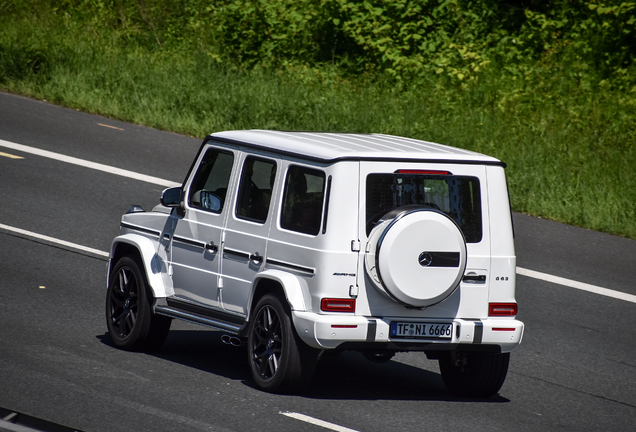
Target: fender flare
[[154, 265], [295, 288]]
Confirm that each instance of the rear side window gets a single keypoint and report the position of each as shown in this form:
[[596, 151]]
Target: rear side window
[[458, 197], [302, 200], [255, 191]]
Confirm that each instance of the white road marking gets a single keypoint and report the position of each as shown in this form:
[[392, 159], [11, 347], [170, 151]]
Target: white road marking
[[317, 422], [88, 164], [167, 183], [53, 240], [578, 285], [520, 270]]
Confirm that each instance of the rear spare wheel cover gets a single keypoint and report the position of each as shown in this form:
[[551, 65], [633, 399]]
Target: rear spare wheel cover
[[418, 257]]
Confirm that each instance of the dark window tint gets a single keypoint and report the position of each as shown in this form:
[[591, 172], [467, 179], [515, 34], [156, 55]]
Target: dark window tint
[[255, 191], [457, 196], [210, 183], [302, 200]]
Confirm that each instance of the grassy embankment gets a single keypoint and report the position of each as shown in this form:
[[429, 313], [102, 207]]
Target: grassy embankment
[[570, 143]]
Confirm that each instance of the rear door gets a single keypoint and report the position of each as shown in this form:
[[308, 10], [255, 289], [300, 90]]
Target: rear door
[[460, 192], [244, 243]]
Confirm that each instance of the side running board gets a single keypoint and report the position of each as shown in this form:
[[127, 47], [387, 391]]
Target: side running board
[[187, 311]]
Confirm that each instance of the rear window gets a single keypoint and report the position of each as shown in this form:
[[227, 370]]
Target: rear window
[[457, 196]]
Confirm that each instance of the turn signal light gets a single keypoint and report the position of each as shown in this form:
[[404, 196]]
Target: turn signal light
[[502, 309], [338, 305]]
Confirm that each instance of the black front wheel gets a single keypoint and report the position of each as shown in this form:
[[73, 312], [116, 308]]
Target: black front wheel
[[131, 324], [474, 374], [279, 361]]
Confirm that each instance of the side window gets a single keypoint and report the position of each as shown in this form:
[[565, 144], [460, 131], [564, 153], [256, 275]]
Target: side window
[[255, 191], [302, 200], [209, 187]]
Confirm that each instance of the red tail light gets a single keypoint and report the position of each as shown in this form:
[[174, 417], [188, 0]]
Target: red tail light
[[502, 309], [338, 305]]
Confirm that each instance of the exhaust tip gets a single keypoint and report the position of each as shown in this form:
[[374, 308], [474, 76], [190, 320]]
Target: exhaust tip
[[231, 340]]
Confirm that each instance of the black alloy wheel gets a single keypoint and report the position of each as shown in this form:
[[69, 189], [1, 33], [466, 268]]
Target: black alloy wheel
[[131, 323], [124, 303], [279, 361]]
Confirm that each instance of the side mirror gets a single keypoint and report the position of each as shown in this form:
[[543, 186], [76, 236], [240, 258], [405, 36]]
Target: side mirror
[[171, 197]]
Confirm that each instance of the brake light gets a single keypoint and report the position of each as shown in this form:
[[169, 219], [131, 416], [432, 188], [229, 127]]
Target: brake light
[[502, 309], [338, 305], [429, 172]]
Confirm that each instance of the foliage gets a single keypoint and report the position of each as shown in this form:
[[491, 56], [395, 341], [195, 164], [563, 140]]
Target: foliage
[[406, 39], [549, 86], [597, 39]]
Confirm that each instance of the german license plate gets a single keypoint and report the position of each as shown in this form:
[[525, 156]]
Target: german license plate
[[421, 330]]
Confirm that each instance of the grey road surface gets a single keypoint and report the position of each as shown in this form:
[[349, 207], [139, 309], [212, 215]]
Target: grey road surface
[[575, 369]]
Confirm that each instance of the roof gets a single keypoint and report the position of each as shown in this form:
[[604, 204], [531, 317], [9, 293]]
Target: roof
[[329, 146]]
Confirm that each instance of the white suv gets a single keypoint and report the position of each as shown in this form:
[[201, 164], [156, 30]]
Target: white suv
[[300, 242]]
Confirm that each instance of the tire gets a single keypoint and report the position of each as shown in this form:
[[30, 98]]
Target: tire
[[474, 374], [416, 256], [279, 361], [131, 324]]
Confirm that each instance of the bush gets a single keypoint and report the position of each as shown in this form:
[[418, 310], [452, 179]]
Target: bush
[[547, 86]]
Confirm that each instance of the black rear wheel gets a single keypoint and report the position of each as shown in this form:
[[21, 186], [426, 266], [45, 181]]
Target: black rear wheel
[[131, 324], [279, 361], [474, 374]]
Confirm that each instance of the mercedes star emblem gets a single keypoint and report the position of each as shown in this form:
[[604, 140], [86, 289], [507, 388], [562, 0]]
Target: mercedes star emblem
[[425, 259]]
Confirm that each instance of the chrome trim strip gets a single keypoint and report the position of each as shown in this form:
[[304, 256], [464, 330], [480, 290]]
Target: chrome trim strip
[[237, 253], [474, 279], [140, 229], [190, 242], [291, 266]]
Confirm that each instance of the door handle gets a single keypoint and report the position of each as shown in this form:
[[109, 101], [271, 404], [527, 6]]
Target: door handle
[[211, 247], [256, 257]]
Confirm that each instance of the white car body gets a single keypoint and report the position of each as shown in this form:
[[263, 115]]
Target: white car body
[[419, 267]]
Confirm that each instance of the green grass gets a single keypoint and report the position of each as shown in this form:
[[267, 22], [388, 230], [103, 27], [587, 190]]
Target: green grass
[[570, 148]]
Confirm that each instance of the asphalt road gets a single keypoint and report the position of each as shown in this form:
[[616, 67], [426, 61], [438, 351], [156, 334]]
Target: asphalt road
[[575, 369]]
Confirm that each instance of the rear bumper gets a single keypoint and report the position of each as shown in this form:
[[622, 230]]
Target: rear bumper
[[358, 332]]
